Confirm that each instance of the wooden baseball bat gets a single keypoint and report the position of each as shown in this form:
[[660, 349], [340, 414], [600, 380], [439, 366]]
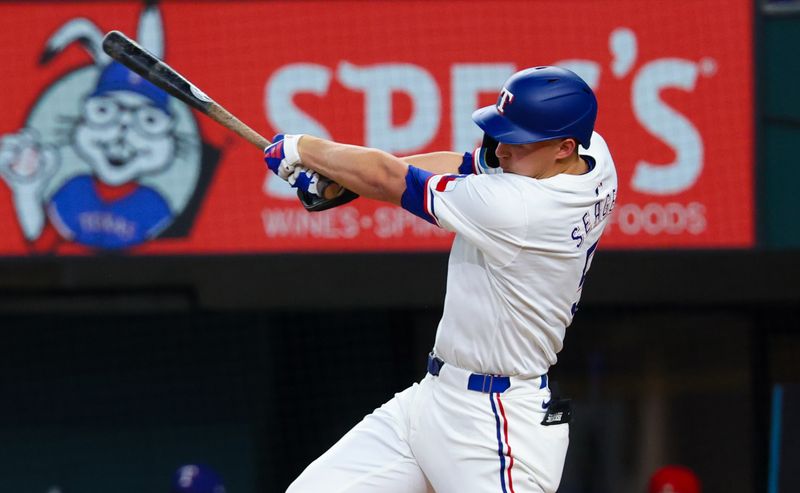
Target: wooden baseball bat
[[129, 53]]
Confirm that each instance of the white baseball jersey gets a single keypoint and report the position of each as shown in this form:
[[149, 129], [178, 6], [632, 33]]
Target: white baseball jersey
[[518, 262]]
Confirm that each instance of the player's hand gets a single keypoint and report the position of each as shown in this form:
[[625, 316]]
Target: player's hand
[[282, 155], [308, 181], [316, 192]]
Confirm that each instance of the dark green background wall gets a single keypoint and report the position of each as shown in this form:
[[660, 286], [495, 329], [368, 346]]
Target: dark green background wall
[[778, 172]]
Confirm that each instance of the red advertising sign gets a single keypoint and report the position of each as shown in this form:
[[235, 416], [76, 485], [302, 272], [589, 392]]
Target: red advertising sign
[[92, 159]]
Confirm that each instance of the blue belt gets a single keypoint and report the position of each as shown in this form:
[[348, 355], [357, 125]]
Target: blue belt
[[478, 382]]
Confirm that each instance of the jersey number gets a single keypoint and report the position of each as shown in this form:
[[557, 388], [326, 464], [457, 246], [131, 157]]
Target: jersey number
[[586, 265]]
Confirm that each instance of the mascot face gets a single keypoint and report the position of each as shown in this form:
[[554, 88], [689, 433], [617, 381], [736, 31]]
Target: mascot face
[[124, 136]]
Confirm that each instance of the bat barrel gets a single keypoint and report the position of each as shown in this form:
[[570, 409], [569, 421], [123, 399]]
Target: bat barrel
[[126, 51]]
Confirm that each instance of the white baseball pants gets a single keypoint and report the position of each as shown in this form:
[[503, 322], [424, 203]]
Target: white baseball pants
[[437, 436]]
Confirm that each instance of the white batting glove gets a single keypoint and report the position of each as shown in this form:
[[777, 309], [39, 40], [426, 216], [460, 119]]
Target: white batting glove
[[282, 156]]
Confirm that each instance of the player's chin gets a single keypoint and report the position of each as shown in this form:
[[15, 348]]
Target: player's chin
[[506, 168]]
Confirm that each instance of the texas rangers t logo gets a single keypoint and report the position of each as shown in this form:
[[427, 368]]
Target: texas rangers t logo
[[506, 97]]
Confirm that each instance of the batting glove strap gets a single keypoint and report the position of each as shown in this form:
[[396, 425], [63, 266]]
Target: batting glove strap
[[290, 143], [282, 156]]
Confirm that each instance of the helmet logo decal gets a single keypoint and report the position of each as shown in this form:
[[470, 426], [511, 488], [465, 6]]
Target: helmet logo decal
[[506, 97]]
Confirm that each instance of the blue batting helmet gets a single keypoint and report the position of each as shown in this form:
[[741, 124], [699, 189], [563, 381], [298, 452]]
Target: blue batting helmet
[[541, 103], [195, 478]]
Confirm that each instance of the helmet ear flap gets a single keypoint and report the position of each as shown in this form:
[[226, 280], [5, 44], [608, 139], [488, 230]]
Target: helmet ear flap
[[488, 146]]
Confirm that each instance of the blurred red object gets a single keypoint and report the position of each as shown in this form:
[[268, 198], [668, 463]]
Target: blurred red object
[[674, 479]]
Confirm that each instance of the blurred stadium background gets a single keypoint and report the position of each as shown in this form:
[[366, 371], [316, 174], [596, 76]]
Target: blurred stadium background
[[243, 333]]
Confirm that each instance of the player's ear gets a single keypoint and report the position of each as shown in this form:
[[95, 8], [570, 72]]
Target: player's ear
[[566, 148]]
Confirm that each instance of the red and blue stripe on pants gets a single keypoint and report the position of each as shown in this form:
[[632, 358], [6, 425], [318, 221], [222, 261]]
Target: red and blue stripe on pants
[[503, 447]]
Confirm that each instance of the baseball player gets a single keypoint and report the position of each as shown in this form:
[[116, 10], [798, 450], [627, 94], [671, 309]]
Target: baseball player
[[527, 223]]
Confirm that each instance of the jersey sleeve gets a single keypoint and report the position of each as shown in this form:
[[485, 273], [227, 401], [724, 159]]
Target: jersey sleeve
[[486, 210]]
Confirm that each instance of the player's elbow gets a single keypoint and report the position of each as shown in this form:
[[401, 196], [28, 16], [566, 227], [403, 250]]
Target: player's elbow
[[385, 179]]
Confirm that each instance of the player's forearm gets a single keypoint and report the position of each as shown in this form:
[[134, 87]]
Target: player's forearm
[[368, 172], [438, 163]]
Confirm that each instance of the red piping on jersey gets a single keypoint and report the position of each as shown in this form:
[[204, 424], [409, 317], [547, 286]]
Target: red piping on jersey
[[428, 198]]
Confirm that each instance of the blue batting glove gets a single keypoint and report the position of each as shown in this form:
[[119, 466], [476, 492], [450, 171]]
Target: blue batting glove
[[308, 181], [273, 153]]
